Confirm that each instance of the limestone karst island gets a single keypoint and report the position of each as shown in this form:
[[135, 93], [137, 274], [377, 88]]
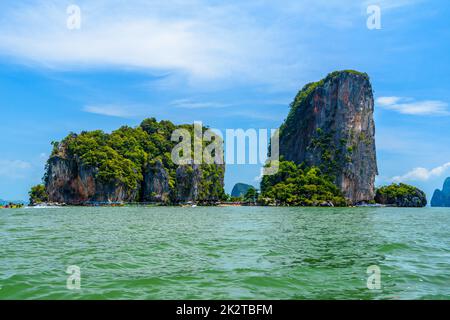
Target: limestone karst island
[[327, 158]]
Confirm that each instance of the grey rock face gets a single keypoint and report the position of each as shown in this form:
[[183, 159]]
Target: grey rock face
[[70, 182], [128, 165], [331, 126], [199, 183], [188, 183], [156, 183]]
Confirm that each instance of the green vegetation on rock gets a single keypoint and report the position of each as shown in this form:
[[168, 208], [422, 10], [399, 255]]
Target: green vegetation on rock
[[38, 194], [296, 185], [401, 195], [251, 195]]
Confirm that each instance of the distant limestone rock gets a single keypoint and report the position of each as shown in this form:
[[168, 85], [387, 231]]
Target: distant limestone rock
[[240, 189], [401, 195], [442, 198], [330, 126]]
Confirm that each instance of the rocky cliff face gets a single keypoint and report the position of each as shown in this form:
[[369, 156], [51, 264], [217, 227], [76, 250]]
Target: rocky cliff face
[[69, 181], [156, 183], [199, 183], [330, 125], [441, 198]]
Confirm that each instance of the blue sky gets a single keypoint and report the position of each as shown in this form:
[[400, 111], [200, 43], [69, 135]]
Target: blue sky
[[229, 64]]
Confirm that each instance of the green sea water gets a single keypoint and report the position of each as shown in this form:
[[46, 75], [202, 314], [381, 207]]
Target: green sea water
[[225, 253]]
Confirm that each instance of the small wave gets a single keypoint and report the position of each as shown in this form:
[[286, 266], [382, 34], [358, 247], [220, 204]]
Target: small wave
[[394, 246], [43, 207]]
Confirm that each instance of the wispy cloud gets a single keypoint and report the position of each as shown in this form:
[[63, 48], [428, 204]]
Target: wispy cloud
[[111, 110], [191, 37], [196, 39], [422, 174], [14, 168], [411, 107], [190, 104], [389, 4]]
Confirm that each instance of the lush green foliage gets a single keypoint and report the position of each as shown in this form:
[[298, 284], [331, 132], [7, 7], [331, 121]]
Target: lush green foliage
[[299, 186], [401, 195], [251, 195], [123, 155], [38, 194], [395, 191], [211, 183]]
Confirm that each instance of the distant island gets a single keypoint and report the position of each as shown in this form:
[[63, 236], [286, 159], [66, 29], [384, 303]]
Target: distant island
[[327, 158], [401, 195], [240, 189], [441, 198]]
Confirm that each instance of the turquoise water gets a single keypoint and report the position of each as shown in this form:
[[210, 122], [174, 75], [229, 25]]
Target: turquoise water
[[225, 253]]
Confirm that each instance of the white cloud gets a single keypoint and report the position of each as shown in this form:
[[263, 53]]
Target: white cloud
[[14, 168], [411, 107], [422, 174], [196, 39], [192, 37], [387, 101]]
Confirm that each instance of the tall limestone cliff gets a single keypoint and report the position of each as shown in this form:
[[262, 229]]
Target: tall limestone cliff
[[330, 125], [128, 165], [441, 198]]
